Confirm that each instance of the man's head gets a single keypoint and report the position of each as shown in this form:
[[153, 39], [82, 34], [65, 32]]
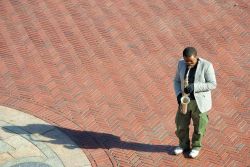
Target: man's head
[[190, 56]]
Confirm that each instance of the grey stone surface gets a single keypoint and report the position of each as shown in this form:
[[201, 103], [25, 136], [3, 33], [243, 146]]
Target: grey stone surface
[[28, 141], [5, 147], [22, 160], [31, 164]]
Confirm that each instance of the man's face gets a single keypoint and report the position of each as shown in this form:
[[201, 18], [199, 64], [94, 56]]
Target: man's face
[[190, 61]]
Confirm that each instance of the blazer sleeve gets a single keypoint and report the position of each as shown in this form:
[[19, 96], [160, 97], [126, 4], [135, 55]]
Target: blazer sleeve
[[177, 81], [210, 81]]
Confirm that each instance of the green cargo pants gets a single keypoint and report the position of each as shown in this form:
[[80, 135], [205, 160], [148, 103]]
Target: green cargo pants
[[182, 121]]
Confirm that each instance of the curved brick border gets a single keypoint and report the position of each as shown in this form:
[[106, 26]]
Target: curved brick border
[[42, 112]]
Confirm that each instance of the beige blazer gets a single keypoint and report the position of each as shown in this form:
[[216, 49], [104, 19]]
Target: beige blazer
[[204, 82]]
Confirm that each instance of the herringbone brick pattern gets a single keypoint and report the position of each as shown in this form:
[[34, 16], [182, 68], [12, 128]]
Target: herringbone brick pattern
[[103, 70]]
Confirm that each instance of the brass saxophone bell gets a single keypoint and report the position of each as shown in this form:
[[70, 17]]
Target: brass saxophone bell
[[184, 104], [185, 99]]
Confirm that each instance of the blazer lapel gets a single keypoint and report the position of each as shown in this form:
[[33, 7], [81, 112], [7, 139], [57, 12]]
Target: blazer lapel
[[183, 69], [198, 69]]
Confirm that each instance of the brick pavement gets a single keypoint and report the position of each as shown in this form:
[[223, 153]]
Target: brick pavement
[[102, 71]]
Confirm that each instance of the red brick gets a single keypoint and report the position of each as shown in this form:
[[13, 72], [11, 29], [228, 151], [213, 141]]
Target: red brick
[[108, 66]]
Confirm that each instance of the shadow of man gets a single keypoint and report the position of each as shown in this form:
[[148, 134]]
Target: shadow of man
[[86, 139]]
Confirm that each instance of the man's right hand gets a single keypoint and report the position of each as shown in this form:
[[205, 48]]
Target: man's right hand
[[179, 98]]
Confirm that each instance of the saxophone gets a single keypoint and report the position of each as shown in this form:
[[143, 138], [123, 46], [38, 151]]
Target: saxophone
[[185, 99]]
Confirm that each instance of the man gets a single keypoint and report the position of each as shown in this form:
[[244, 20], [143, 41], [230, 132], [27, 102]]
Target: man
[[201, 80]]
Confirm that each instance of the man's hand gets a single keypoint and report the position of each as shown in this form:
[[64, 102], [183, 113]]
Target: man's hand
[[179, 98], [189, 89]]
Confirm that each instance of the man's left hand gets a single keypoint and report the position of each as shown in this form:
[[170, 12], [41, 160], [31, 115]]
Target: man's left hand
[[189, 89]]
